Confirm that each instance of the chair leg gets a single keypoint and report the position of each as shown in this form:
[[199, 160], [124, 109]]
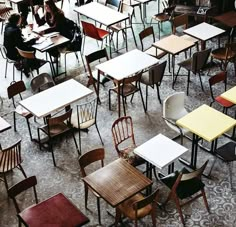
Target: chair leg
[[51, 150], [188, 82], [83, 44], [99, 213], [158, 93], [86, 196], [99, 134], [76, 145], [80, 146], [179, 209], [134, 36], [28, 124], [82, 61], [199, 74], [230, 175], [205, 200], [176, 77], [123, 102], [65, 64], [144, 108], [159, 29], [5, 181], [14, 120], [109, 99], [22, 170], [146, 97], [6, 69], [117, 217]]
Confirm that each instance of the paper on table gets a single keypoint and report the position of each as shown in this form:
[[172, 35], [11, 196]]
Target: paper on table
[[43, 45], [52, 34], [41, 28]]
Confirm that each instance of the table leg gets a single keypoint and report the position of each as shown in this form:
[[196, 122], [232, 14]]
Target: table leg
[[98, 86], [173, 68], [171, 168], [203, 45], [149, 168], [118, 87]]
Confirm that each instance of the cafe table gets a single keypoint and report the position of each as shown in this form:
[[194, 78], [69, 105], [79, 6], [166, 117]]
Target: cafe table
[[230, 95], [55, 211], [4, 125], [205, 123], [204, 32]]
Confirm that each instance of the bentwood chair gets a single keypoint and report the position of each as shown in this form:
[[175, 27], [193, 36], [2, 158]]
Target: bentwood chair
[[214, 81], [85, 117], [5, 12], [96, 155], [185, 185], [124, 142], [10, 158], [138, 207], [13, 91], [56, 127]]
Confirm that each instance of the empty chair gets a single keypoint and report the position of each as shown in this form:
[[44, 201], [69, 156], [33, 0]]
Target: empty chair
[[143, 35], [174, 109], [10, 158], [124, 142], [114, 4], [138, 207], [214, 81], [85, 117], [195, 65], [185, 185], [13, 91], [152, 78], [84, 161], [55, 127], [5, 12]]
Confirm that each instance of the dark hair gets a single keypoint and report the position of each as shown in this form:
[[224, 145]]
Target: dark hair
[[14, 18], [51, 4]]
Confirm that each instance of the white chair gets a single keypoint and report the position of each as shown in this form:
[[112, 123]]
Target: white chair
[[173, 109]]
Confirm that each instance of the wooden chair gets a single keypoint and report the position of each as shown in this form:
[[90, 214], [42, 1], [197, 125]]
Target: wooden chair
[[138, 207], [144, 35], [184, 185], [55, 127], [10, 158], [129, 86], [214, 81], [84, 161], [5, 12], [124, 142], [154, 77], [13, 91], [195, 65], [85, 117]]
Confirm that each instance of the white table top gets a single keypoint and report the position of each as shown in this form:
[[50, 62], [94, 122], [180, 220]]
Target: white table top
[[55, 98], [4, 125], [101, 13], [127, 64], [160, 151], [204, 31]]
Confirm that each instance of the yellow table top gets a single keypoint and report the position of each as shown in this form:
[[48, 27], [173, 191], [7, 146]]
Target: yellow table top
[[230, 95], [206, 122]]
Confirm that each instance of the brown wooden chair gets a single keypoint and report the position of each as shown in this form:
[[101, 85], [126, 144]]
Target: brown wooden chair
[[129, 86], [5, 12], [10, 158], [146, 34], [84, 161], [184, 185], [55, 127], [124, 142], [138, 207], [13, 91], [214, 81]]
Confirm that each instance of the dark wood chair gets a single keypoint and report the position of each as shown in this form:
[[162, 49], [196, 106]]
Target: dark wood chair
[[138, 207], [5, 12], [86, 160], [10, 158], [55, 127], [185, 185]]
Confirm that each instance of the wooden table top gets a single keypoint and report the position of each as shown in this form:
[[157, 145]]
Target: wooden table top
[[230, 95], [207, 122], [173, 44], [4, 125], [117, 181], [228, 18], [56, 211]]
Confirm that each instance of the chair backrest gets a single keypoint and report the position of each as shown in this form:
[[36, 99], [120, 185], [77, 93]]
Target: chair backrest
[[145, 33], [16, 88], [3, 51], [127, 10], [5, 11], [90, 30], [169, 11], [156, 73], [26, 54], [178, 21], [114, 4], [20, 187], [230, 49], [91, 157], [10, 157], [122, 130], [135, 80], [40, 82], [199, 60]]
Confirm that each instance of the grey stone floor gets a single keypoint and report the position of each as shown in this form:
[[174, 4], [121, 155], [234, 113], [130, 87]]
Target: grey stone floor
[[66, 177]]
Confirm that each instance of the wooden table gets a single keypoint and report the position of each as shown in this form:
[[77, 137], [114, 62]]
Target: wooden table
[[204, 32], [117, 182], [208, 124], [55, 211], [101, 14], [173, 45], [4, 125], [55, 98], [230, 95], [160, 151], [124, 66]]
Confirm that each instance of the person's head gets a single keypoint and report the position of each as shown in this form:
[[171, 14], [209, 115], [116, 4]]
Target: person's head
[[15, 18], [51, 7]]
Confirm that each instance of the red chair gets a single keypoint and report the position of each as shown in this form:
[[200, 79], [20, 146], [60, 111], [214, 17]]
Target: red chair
[[92, 31]]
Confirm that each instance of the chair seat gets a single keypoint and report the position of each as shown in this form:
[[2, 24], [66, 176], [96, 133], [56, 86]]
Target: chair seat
[[190, 38], [131, 3], [221, 54], [155, 52], [87, 124], [120, 26], [23, 112], [103, 79], [127, 89], [186, 64], [127, 207], [185, 188], [12, 162], [102, 33], [55, 129], [161, 17], [223, 102], [145, 79], [227, 152]]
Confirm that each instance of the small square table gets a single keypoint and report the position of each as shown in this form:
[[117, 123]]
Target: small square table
[[117, 182], [160, 151], [207, 123], [55, 211], [230, 95], [204, 32], [124, 66]]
